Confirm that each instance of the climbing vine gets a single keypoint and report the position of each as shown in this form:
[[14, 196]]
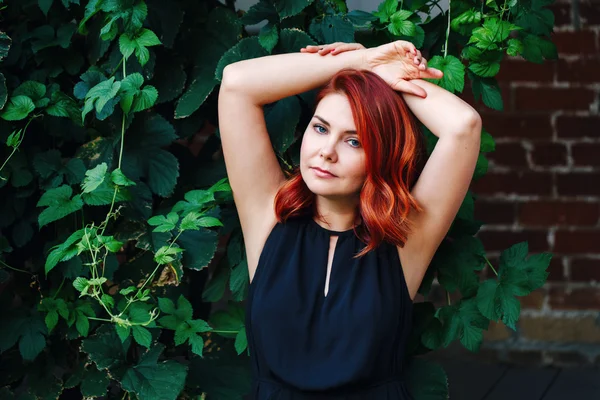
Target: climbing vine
[[122, 265]]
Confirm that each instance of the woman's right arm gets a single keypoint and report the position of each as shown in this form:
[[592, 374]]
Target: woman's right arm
[[252, 166]]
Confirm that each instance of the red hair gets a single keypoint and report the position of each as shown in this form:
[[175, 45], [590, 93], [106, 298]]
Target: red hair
[[394, 150]]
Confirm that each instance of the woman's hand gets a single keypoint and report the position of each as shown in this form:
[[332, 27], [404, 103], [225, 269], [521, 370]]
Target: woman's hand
[[396, 63]]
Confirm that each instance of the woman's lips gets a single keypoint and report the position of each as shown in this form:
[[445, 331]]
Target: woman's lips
[[322, 173]]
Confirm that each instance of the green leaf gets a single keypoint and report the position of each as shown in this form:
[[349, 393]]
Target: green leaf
[[155, 381], [487, 142], [361, 19], [292, 40], [259, 12], [231, 319], [106, 349], [123, 331], [138, 43], [332, 28], [493, 31], [515, 47], [33, 341], [239, 281], [488, 90], [200, 247], [18, 108], [466, 18], [268, 36], [426, 380], [142, 336], [241, 341], [536, 49], [463, 321], [400, 25], [100, 95], [245, 49], [457, 262], [94, 178], [289, 8], [486, 70], [164, 224], [82, 324], [59, 203], [166, 254], [454, 73], [119, 178], [281, 119], [385, 10], [526, 274], [166, 305], [32, 89], [532, 16], [94, 383]]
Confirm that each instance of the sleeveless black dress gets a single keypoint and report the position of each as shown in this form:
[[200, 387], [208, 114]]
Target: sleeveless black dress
[[347, 345]]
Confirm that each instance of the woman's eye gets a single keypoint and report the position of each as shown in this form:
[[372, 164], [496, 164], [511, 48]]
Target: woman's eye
[[354, 143], [320, 126]]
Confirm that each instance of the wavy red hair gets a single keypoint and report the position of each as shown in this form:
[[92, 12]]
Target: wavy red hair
[[394, 151]]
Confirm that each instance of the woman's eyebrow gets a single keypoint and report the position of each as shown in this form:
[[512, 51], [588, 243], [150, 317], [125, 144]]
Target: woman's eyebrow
[[327, 123]]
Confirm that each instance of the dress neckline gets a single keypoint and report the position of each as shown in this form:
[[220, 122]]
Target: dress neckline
[[331, 231]]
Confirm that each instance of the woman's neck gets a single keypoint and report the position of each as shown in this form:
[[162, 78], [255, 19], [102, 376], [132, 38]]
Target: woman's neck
[[337, 215]]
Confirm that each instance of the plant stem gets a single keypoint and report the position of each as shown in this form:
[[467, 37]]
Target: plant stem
[[100, 319], [491, 266], [15, 269], [60, 287], [448, 298], [448, 29], [216, 331], [20, 141]]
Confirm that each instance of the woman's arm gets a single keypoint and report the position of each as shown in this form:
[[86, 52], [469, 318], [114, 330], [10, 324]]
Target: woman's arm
[[441, 111], [267, 79]]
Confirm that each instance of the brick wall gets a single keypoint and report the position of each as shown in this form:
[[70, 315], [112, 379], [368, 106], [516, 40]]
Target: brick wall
[[543, 186]]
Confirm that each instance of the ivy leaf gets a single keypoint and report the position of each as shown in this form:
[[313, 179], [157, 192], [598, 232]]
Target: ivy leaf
[[189, 331], [332, 28], [166, 254], [385, 10], [245, 49], [118, 178], [32, 341], [259, 12], [536, 49], [469, 17], [454, 73], [133, 98], [515, 47], [268, 36], [142, 335], [18, 108], [281, 119], [400, 25], [195, 221], [65, 251], [106, 349], [289, 8], [493, 31], [231, 319], [150, 379], [241, 341], [45, 5], [487, 142], [532, 16], [484, 69], [32, 89], [457, 262], [200, 247], [89, 79], [94, 178], [238, 283], [59, 203], [488, 90], [361, 19], [164, 224], [100, 95], [463, 321], [138, 43]]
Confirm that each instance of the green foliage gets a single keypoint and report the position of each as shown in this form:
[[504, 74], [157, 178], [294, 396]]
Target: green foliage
[[98, 100]]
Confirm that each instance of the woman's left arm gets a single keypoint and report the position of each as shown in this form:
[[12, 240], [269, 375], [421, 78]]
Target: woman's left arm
[[445, 179]]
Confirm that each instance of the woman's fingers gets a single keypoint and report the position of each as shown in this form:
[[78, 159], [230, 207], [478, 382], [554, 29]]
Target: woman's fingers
[[432, 73], [407, 87]]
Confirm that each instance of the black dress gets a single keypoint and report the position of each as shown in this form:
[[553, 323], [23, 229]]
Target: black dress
[[346, 345]]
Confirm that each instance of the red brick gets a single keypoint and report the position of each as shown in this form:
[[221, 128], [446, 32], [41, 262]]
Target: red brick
[[502, 240], [517, 126], [585, 269], [539, 183], [580, 241], [549, 154], [577, 127], [562, 13], [575, 42], [554, 212], [578, 183], [534, 300], [515, 70], [576, 299], [586, 154], [556, 269], [509, 154], [549, 99], [581, 70], [495, 212], [590, 12]]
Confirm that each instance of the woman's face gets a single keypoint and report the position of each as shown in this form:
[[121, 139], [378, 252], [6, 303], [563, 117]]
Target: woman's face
[[331, 144]]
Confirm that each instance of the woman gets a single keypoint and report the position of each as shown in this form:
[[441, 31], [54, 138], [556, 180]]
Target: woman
[[337, 252]]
